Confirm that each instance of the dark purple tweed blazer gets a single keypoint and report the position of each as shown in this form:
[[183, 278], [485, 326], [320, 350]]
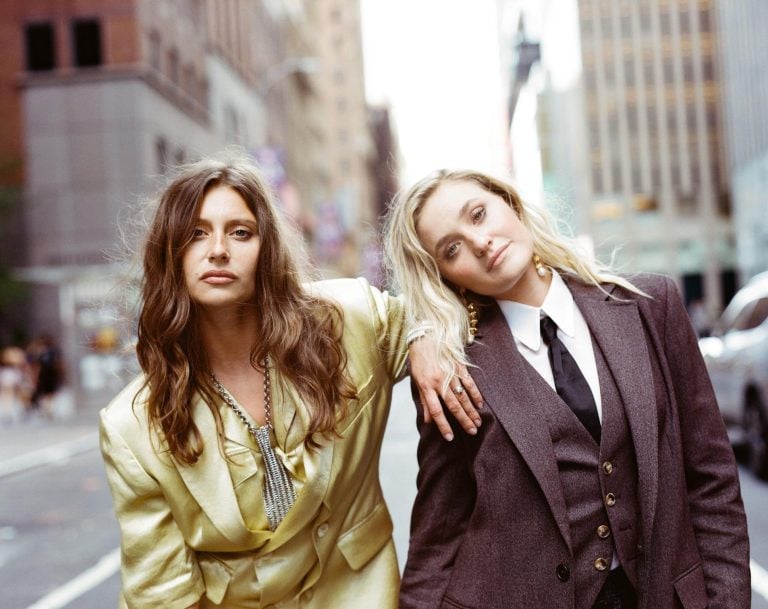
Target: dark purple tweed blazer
[[489, 527]]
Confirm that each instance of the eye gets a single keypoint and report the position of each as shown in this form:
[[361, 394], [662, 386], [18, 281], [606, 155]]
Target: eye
[[197, 233], [241, 233], [478, 214], [451, 250]]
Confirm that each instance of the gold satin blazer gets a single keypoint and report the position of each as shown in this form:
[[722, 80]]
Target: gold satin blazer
[[200, 532]]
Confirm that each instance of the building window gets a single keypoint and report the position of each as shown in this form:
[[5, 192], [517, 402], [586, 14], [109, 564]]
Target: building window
[[161, 154], [669, 70], [665, 23], [687, 68], [231, 124], [154, 51], [616, 177], [87, 38], [41, 53], [173, 66], [649, 74], [629, 72], [597, 180], [705, 20]]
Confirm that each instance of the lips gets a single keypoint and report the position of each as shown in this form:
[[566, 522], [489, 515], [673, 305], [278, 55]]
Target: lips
[[496, 255], [217, 277]]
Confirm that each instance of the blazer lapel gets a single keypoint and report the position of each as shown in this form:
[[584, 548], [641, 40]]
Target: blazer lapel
[[617, 328], [502, 376], [209, 480]]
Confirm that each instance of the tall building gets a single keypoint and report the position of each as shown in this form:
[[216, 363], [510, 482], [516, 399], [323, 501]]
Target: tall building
[[658, 176], [345, 221], [384, 165], [743, 47]]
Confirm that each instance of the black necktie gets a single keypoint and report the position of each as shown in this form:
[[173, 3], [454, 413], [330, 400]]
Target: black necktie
[[570, 383]]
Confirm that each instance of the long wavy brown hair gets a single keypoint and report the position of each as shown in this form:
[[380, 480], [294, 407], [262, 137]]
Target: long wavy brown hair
[[301, 333]]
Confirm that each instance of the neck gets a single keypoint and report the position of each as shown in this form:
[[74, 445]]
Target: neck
[[228, 337], [531, 289]]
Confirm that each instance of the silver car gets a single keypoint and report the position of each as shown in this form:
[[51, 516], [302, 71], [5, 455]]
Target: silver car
[[737, 360]]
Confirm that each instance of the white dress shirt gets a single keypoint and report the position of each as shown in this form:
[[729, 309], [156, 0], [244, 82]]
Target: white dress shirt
[[572, 330]]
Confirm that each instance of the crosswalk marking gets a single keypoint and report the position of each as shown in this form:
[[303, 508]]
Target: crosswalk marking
[[84, 582], [48, 455], [759, 579]]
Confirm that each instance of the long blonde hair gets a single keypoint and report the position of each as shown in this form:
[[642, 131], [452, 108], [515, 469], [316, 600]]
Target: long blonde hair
[[414, 271], [299, 332]]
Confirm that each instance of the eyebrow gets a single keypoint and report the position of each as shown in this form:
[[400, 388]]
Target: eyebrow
[[447, 237], [233, 221]]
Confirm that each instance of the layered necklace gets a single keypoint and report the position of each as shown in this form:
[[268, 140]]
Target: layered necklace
[[278, 487]]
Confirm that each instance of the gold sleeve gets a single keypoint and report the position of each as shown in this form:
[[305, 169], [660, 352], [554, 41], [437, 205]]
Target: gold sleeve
[[389, 316], [158, 568]]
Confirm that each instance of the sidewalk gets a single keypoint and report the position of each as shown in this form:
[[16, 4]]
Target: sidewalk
[[27, 438]]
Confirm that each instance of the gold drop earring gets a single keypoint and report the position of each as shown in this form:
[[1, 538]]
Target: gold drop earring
[[541, 270], [472, 315]]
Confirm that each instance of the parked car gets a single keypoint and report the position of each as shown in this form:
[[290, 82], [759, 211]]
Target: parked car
[[737, 360]]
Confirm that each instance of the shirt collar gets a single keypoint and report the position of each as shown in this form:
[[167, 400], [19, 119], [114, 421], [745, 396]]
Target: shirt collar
[[523, 320]]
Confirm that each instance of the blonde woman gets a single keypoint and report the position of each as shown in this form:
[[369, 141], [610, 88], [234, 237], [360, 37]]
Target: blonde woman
[[602, 475], [243, 462]]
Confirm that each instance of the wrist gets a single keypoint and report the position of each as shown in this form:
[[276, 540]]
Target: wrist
[[417, 332]]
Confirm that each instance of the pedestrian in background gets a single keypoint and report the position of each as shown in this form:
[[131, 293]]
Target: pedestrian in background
[[45, 359], [12, 389], [243, 463], [602, 475]]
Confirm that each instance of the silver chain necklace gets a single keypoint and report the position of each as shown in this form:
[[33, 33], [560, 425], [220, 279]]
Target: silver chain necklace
[[279, 494]]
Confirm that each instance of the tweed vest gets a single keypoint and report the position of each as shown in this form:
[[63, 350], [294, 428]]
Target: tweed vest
[[599, 486]]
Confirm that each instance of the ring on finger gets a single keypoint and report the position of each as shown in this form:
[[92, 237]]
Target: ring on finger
[[458, 389]]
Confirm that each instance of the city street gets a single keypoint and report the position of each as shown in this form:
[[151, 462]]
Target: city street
[[59, 540]]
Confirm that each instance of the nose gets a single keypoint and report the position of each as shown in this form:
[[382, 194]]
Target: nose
[[219, 249], [480, 243]]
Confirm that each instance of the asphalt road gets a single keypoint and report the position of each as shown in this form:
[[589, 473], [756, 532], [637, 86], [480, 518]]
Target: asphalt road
[[59, 538]]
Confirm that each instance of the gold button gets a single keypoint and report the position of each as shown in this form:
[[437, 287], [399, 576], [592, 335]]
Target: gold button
[[603, 531], [608, 468], [322, 530], [307, 596], [601, 564], [610, 499]]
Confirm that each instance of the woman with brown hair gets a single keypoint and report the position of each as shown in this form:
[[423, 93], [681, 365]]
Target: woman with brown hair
[[243, 463]]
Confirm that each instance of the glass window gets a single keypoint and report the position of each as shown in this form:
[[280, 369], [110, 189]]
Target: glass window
[[629, 71], [173, 66], [597, 180], [669, 70], [705, 20], [41, 52], [87, 39], [161, 154], [154, 50]]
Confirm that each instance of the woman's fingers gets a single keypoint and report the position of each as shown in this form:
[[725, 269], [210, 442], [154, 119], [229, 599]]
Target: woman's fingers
[[435, 407], [469, 395]]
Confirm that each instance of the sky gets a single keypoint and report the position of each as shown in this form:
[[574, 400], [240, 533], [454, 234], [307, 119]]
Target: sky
[[437, 63]]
